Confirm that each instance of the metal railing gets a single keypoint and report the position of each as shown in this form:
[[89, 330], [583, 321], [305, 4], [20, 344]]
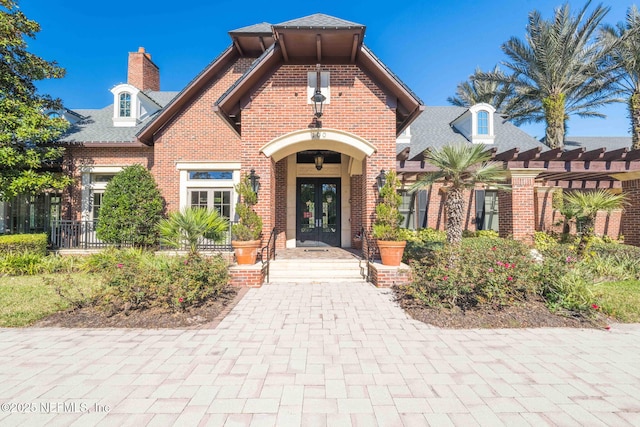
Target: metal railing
[[68, 234], [270, 249]]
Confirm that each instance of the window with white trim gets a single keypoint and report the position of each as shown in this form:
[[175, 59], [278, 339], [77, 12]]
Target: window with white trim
[[125, 104], [211, 198], [483, 123]]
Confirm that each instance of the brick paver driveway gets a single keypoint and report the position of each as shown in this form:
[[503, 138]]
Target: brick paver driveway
[[330, 354]]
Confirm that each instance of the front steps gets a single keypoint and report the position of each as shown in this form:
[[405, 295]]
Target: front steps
[[315, 270]]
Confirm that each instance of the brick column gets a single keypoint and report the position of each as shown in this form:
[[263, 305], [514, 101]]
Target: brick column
[[631, 215], [544, 208], [517, 217]]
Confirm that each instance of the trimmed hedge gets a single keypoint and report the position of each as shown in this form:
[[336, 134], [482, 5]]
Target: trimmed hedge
[[23, 243]]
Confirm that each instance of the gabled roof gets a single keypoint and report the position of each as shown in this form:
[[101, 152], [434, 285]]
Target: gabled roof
[[145, 134], [594, 142], [432, 129], [318, 20], [261, 28]]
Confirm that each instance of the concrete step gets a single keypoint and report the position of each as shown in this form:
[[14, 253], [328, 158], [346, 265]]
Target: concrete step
[[297, 270]]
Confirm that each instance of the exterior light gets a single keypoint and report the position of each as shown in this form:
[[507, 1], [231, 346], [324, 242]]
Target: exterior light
[[381, 180], [255, 181], [318, 102], [318, 159]]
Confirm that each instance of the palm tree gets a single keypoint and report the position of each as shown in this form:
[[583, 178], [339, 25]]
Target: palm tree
[[460, 167], [558, 70], [625, 38], [190, 225], [475, 91], [587, 204]]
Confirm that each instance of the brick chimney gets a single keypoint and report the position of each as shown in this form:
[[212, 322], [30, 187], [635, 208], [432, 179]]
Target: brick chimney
[[143, 73]]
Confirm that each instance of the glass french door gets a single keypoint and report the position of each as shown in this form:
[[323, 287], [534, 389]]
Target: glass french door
[[318, 212]]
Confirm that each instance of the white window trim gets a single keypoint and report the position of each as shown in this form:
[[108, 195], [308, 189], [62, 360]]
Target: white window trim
[[477, 138], [88, 187], [187, 184], [135, 105]]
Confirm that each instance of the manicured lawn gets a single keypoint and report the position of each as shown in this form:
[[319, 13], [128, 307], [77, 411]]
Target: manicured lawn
[[27, 299], [620, 299]]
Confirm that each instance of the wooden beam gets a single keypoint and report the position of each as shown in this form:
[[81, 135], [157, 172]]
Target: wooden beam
[[283, 46], [632, 155], [593, 154], [237, 45], [618, 154], [354, 48], [404, 154], [552, 154], [505, 156], [532, 154], [261, 40], [572, 154], [319, 47]]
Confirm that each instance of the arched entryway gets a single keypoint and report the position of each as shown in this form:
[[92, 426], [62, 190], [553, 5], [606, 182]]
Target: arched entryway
[[322, 205]]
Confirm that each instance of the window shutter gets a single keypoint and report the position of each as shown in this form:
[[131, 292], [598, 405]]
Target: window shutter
[[480, 209], [422, 200]]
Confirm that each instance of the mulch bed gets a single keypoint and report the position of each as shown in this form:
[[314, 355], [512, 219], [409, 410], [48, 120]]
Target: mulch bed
[[527, 314], [208, 314]]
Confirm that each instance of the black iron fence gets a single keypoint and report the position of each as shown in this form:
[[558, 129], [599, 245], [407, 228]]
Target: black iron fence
[[67, 234]]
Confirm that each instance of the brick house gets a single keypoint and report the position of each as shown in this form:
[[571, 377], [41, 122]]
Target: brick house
[[252, 109]]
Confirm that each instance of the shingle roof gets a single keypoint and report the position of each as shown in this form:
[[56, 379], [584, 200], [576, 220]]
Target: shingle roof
[[594, 142], [318, 20], [432, 129], [97, 125], [263, 27]]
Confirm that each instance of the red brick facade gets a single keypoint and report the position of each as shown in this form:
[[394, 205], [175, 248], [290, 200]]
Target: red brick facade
[[142, 72]]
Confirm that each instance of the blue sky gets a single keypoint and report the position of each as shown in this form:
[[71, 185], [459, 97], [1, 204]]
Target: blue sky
[[432, 45]]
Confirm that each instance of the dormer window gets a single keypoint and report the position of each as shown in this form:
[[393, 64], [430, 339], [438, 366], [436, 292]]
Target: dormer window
[[125, 104], [476, 124], [483, 122]]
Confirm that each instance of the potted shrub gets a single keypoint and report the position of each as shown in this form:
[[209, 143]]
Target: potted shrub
[[386, 229], [248, 230]]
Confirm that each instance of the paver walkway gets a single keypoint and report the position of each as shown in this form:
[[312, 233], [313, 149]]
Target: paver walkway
[[322, 354]]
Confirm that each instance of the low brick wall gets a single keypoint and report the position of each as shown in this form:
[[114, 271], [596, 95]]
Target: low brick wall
[[246, 275], [384, 276]]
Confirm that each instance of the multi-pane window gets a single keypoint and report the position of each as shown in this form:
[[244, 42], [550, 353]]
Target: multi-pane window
[[210, 175], [217, 199], [96, 202], [125, 104], [483, 123]]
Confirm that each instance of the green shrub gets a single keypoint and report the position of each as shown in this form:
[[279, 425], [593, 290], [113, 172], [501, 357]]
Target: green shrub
[[388, 216], [23, 243], [493, 272], [487, 234], [131, 208], [21, 264], [422, 242], [169, 282], [249, 226], [543, 240], [187, 227]]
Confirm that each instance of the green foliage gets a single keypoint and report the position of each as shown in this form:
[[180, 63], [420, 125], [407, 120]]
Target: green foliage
[[131, 208], [493, 272], [26, 131], [21, 264], [544, 241], [175, 283], [475, 91], [558, 70], [388, 216], [190, 225], [249, 226], [587, 204], [23, 243], [620, 299], [486, 234], [421, 243]]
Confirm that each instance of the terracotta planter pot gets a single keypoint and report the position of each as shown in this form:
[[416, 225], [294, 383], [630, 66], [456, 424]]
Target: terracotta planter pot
[[391, 252], [246, 252]]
